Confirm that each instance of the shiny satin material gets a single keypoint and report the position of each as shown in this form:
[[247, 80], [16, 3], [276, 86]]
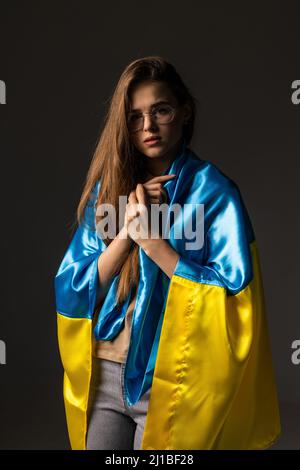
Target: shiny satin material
[[77, 282], [213, 385], [191, 335], [74, 340]]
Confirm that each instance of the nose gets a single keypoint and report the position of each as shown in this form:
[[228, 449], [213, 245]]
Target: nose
[[149, 122]]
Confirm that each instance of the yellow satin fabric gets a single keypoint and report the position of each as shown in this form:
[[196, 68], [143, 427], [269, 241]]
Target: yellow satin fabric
[[75, 345], [213, 385]]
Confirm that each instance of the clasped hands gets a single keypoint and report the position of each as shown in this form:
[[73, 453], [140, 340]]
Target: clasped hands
[[137, 219]]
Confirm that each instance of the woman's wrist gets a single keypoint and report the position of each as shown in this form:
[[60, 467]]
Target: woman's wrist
[[123, 235], [162, 253]]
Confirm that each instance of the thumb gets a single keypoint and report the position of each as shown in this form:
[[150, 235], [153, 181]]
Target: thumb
[[140, 194]]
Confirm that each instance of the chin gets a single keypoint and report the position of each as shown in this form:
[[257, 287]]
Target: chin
[[155, 149], [152, 153]]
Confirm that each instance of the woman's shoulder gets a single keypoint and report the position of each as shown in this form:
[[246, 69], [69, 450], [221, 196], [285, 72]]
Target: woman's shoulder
[[208, 176], [218, 192]]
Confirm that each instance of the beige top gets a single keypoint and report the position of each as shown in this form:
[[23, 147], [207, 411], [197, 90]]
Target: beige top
[[116, 349]]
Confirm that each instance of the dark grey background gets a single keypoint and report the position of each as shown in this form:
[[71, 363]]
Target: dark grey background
[[61, 62]]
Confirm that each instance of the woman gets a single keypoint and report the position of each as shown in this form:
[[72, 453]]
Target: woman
[[164, 340]]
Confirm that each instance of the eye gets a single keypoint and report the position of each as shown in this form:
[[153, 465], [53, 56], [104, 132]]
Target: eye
[[163, 110], [134, 117]]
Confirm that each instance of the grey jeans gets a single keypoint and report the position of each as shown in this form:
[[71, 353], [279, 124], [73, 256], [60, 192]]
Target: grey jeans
[[112, 424]]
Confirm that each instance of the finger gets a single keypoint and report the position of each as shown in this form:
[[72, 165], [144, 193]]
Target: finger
[[152, 186], [131, 217], [132, 205], [162, 178], [148, 179], [132, 198], [154, 192], [140, 194], [132, 211], [154, 201]]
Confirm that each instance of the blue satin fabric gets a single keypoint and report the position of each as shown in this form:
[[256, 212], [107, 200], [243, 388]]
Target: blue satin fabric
[[76, 283], [224, 260]]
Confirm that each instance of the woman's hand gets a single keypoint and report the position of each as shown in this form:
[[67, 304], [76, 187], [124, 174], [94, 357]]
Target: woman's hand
[[137, 220], [154, 190], [137, 215]]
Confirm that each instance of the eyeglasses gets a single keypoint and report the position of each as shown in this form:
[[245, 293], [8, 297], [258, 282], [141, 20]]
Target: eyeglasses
[[163, 114]]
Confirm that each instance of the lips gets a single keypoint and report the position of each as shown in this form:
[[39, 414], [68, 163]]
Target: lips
[[153, 138]]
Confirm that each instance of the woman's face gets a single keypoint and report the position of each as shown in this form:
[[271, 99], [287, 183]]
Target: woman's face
[[143, 98]]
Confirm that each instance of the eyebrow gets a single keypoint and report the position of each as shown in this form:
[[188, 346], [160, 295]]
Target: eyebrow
[[154, 104]]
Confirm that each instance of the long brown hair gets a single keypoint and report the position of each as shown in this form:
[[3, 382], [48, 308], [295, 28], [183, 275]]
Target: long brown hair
[[117, 163]]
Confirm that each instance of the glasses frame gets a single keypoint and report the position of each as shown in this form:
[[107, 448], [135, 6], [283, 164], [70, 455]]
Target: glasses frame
[[174, 108]]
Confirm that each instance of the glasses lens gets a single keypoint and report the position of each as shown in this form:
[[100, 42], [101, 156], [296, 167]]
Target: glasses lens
[[135, 121], [162, 115]]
